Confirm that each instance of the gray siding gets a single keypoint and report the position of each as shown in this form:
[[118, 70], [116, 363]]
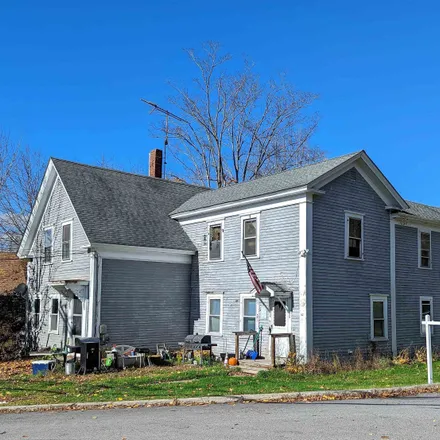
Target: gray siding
[[278, 263], [59, 209], [145, 303], [341, 287], [412, 283]]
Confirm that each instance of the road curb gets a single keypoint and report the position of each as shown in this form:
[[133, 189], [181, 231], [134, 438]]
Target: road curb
[[306, 396]]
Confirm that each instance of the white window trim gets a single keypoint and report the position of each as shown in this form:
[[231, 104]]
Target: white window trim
[[242, 298], [384, 300], [257, 245], [419, 247], [220, 223], [67, 222], [356, 215], [57, 331], [208, 312], [46, 228], [422, 327], [80, 335]]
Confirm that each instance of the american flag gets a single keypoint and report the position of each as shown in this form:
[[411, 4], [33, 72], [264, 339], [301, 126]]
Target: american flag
[[253, 276]]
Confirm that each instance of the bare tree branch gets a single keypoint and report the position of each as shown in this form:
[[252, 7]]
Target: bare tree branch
[[239, 128]]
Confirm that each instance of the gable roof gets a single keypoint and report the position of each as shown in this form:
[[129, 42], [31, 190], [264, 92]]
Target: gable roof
[[283, 181], [116, 207], [308, 177]]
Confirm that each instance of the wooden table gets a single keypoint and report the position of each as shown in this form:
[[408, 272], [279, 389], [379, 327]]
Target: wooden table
[[274, 337], [239, 334]]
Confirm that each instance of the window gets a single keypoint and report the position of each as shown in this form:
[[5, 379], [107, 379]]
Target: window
[[249, 233], [379, 317], [54, 315], [66, 246], [354, 236], [37, 305], [249, 314], [214, 314], [425, 249], [425, 309], [47, 245], [216, 242], [77, 317], [279, 313]]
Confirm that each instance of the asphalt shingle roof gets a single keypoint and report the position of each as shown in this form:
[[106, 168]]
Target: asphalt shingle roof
[[285, 180], [115, 207], [424, 212]]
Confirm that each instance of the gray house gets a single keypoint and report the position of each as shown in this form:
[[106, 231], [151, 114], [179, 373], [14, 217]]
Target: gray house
[[346, 262]]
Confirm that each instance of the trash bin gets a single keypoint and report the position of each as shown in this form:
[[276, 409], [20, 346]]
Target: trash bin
[[70, 367]]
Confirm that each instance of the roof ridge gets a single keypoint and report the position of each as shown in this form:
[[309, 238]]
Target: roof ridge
[[287, 171], [127, 173]]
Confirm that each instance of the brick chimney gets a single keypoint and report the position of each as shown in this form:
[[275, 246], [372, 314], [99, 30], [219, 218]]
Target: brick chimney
[[156, 163]]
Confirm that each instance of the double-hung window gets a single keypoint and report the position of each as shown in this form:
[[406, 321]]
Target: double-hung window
[[379, 317], [354, 236], [37, 312], [214, 314], [249, 314], [77, 317], [424, 249], [47, 245], [215, 242], [250, 236], [54, 315], [66, 246], [426, 308]]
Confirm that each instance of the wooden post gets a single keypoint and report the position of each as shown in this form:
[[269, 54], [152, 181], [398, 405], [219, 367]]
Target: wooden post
[[272, 349], [237, 346], [428, 348]]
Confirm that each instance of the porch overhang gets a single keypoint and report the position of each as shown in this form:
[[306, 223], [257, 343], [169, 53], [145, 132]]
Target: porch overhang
[[79, 288]]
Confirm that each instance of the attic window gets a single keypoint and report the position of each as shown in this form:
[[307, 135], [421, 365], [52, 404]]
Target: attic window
[[47, 245], [354, 236], [66, 251]]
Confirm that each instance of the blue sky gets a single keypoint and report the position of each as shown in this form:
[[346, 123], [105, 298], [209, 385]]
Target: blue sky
[[71, 76]]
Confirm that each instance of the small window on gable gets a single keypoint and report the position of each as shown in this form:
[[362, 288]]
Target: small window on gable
[[216, 242], [354, 236], [66, 247], [425, 309], [425, 249], [379, 317], [47, 245], [250, 239], [54, 315]]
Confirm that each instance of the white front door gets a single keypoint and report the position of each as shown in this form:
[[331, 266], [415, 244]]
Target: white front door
[[280, 317]]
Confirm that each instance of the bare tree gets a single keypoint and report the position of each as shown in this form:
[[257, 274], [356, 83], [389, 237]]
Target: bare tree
[[18, 194], [238, 128]]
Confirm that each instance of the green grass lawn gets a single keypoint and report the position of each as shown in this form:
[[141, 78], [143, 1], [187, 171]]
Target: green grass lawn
[[177, 382]]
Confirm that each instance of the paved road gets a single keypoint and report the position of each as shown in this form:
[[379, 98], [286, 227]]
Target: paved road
[[409, 418]]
